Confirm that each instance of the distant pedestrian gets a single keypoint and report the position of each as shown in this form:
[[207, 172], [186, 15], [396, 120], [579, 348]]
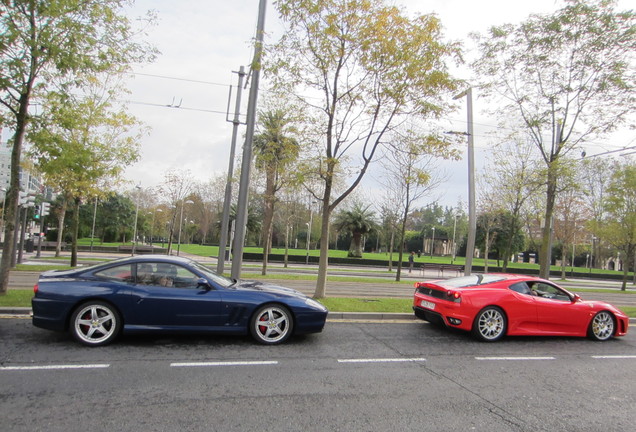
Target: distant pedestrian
[[411, 261]]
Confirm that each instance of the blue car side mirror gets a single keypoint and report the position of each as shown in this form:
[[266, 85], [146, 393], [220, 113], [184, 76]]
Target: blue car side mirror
[[203, 283]]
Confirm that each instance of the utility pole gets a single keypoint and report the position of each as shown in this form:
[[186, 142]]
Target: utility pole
[[472, 216], [220, 266], [241, 213]]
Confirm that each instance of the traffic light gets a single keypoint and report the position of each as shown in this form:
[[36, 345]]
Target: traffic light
[[46, 209], [36, 214]]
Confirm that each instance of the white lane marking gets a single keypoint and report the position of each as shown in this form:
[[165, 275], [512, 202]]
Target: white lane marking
[[226, 363], [614, 357], [55, 367], [381, 360], [515, 358]]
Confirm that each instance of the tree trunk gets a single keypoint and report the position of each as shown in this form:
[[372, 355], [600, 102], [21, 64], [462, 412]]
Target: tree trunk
[[563, 258], [174, 217], [60, 228], [268, 218], [544, 252], [401, 249], [355, 248], [75, 232], [14, 187], [286, 245], [323, 260], [508, 248], [486, 249], [391, 250]]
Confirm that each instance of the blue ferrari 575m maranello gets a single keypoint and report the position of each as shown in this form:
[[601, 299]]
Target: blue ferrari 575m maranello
[[171, 294]]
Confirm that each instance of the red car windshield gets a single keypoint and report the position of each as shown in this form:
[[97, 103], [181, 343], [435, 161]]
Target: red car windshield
[[472, 280]]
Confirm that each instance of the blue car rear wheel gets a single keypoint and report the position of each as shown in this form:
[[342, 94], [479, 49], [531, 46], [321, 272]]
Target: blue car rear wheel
[[95, 323]]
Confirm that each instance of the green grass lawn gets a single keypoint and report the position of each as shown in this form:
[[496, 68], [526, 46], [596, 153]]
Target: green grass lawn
[[213, 251], [22, 298]]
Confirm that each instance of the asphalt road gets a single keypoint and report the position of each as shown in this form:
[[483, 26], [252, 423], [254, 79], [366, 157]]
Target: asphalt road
[[352, 377]]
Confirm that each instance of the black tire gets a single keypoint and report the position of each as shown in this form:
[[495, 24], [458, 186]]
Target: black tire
[[490, 324], [272, 324], [602, 327], [95, 323]]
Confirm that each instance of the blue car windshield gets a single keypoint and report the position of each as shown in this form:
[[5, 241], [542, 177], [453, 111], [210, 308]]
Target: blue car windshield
[[214, 277]]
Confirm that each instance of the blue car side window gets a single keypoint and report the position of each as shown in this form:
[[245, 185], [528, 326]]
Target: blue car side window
[[121, 273]]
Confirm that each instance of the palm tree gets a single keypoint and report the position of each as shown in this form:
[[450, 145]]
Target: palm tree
[[358, 221], [274, 151]]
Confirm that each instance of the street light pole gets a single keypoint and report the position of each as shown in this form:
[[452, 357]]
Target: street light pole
[[433, 242], [4, 203], [241, 211], [152, 225], [454, 244], [180, 223], [311, 217], [225, 220], [472, 216], [136, 216], [93, 228]]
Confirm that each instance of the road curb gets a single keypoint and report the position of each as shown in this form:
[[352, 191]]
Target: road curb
[[370, 316], [15, 311]]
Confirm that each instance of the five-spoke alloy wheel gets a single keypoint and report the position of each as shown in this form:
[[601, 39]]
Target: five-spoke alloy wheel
[[490, 324], [602, 326], [272, 324], [95, 323]]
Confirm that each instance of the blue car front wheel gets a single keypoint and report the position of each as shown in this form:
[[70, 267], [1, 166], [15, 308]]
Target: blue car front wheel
[[272, 324]]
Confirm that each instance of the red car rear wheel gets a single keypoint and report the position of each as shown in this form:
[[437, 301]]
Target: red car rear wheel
[[490, 324]]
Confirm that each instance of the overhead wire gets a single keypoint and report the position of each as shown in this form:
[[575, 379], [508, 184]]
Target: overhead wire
[[455, 120]]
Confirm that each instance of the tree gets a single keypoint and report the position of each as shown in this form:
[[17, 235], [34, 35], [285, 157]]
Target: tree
[[359, 221], [595, 175], [81, 145], [512, 178], [358, 68], [568, 76], [569, 211], [115, 217], [493, 233], [275, 150], [487, 233], [211, 195], [46, 39], [411, 175], [619, 227], [176, 187]]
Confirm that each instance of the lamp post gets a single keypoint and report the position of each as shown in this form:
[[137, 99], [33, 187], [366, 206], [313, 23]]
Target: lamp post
[[4, 202], [152, 225], [180, 223], [136, 216], [454, 244], [94, 219], [472, 216], [433, 242], [309, 225]]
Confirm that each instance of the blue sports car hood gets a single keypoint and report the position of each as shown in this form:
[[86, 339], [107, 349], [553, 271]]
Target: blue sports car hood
[[250, 285]]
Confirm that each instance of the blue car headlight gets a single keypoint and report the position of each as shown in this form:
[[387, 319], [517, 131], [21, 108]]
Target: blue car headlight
[[315, 305]]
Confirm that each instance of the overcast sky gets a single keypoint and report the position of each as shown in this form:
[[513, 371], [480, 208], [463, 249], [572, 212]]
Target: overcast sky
[[203, 42]]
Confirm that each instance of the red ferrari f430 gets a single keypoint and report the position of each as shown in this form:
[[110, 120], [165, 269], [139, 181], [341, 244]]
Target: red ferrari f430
[[494, 305]]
